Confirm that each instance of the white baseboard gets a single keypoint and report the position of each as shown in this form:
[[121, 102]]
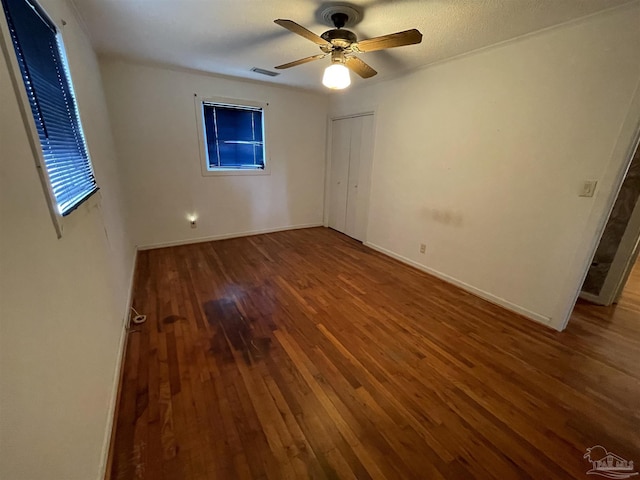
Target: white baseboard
[[225, 236], [465, 286], [117, 374]]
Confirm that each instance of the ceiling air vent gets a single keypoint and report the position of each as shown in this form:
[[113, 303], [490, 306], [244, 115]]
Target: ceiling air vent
[[262, 71]]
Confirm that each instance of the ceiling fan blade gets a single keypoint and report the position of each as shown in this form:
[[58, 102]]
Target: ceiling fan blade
[[300, 30], [301, 61], [400, 39], [358, 66]]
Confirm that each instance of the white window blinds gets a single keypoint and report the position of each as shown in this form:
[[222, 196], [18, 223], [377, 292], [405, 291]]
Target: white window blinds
[[48, 84]]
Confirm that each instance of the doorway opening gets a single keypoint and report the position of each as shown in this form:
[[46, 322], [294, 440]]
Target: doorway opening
[[617, 250]]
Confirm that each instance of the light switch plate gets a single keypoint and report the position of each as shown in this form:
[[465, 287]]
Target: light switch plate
[[588, 188]]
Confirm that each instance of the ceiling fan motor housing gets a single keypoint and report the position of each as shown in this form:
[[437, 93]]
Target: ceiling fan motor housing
[[339, 38]]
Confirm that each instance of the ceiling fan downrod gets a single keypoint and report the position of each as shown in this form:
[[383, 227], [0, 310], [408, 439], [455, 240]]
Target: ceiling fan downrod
[[339, 19]]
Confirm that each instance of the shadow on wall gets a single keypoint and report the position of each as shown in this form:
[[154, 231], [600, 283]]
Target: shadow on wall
[[444, 217]]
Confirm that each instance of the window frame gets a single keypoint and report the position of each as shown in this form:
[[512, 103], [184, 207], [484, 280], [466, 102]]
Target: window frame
[[200, 101], [17, 82]]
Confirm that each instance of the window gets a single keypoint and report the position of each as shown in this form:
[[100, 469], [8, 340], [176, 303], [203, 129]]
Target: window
[[42, 63], [233, 135]]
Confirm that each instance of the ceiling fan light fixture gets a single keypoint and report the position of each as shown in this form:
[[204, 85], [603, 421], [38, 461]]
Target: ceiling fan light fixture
[[336, 77], [343, 44]]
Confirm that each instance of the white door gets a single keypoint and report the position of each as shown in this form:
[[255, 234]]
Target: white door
[[340, 150], [351, 155]]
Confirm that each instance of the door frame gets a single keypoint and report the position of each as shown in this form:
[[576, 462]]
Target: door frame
[[613, 176], [625, 255], [328, 162]]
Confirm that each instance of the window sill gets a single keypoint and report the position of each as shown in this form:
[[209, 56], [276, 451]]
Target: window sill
[[223, 172]]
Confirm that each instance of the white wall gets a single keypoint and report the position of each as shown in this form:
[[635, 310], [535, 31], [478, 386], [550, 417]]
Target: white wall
[[153, 116], [62, 301], [482, 158]]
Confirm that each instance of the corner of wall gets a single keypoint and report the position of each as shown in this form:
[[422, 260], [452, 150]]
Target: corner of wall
[[114, 401]]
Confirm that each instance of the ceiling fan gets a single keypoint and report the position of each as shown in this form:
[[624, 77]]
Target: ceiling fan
[[342, 45]]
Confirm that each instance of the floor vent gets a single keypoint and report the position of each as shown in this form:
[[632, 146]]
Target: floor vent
[[262, 71]]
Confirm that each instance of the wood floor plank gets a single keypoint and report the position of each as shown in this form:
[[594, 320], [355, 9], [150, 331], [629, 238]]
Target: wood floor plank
[[304, 354]]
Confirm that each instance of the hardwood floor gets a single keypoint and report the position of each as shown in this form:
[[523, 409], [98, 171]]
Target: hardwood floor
[[630, 298], [304, 354]]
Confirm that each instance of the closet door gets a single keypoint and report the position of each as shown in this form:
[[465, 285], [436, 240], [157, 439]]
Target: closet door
[[359, 176], [340, 150], [351, 156], [353, 178]]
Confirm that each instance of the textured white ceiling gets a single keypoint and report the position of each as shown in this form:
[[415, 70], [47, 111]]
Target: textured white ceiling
[[230, 37]]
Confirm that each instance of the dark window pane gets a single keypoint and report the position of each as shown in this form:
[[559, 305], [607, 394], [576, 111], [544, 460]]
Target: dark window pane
[[234, 137], [259, 153], [236, 155], [234, 124]]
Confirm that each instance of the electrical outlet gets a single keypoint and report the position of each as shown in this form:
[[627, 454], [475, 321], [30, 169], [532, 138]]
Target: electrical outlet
[[193, 224], [423, 248]]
